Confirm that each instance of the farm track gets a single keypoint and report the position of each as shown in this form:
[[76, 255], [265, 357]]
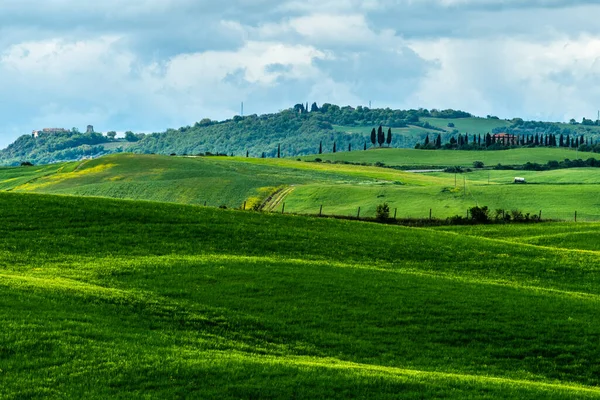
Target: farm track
[[276, 198]]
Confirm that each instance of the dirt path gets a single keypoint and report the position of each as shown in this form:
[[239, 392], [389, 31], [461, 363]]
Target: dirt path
[[278, 199]]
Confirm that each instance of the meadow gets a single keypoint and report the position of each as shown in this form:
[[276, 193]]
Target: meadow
[[118, 299], [306, 186], [446, 158]]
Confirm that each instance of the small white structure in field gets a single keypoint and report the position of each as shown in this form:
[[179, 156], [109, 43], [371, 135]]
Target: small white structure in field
[[519, 180]]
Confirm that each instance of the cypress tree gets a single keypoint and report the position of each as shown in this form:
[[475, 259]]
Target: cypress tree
[[321, 147], [349, 146], [373, 137], [278, 151], [264, 155], [479, 141], [389, 137], [247, 154], [466, 142], [365, 148], [488, 140], [426, 140], [438, 141], [568, 141], [562, 140], [334, 147], [380, 136]]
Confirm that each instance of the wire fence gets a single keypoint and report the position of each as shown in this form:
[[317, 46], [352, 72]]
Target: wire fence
[[368, 213]]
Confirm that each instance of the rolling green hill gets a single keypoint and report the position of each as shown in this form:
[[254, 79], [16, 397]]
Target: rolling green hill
[[306, 186], [444, 158], [118, 299], [292, 132]]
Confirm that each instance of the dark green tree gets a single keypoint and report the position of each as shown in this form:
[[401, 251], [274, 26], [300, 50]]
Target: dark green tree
[[389, 137], [314, 107], [321, 147], [438, 141], [349, 146], [278, 151], [373, 137], [426, 140], [247, 154], [131, 137], [365, 148], [334, 147], [380, 136]]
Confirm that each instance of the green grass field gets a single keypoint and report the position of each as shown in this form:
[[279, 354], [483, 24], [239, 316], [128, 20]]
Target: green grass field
[[305, 186], [416, 158], [472, 126], [107, 298]]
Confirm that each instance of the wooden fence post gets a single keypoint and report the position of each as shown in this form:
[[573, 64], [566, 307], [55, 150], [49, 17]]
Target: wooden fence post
[[575, 216], [358, 215], [244, 206], [204, 203], [321, 211], [395, 212], [430, 211], [283, 209], [540, 218]]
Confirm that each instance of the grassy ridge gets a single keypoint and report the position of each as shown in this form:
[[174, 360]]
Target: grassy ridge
[[163, 300], [411, 157], [340, 188]]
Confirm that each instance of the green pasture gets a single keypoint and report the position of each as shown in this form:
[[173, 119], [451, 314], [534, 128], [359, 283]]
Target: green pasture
[[105, 298], [555, 201], [191, 180], [340, 188], [412, 157], [468, 125], [570, 176]]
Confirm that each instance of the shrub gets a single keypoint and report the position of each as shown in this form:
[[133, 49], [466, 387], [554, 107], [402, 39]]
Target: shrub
[[223, 207], [454, 170], [318, 160], [478, 164], [480, 214], [517, 215], [26, 164], [383, 212]]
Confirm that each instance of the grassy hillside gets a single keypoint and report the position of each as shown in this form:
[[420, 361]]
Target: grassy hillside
[[168, 301], [472, 126], [215, 180], [304, 186], [411, 157], [292, 132]]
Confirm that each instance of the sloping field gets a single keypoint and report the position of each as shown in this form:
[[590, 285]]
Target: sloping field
[[472, 126], [306, 186], [118, 299], [410, 157], [214, 180]]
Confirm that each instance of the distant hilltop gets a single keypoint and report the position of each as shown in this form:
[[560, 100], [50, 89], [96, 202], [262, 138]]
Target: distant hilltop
[[36, 133], [296, 131]]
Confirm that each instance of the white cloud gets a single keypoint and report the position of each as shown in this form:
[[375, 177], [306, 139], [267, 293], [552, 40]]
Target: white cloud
[[151, 64]]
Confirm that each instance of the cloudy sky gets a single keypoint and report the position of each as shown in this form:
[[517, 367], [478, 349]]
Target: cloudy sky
[[146, 65]]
